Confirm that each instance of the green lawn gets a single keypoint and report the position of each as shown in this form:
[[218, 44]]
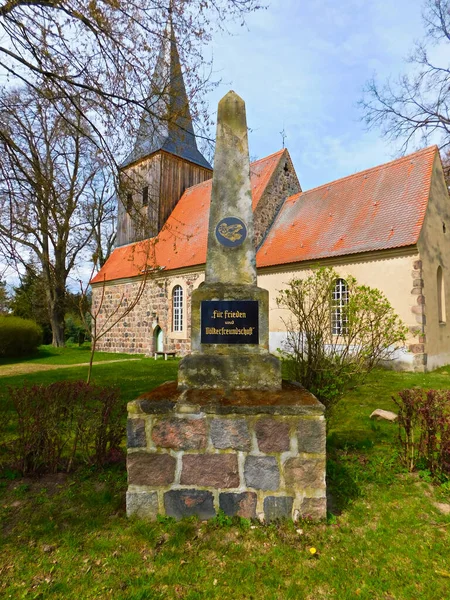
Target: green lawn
[[48, 355], [133, 376], [385, 537]]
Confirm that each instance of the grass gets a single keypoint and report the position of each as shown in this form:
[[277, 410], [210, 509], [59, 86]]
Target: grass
[[74, 354], [132, 377], [385, 537]]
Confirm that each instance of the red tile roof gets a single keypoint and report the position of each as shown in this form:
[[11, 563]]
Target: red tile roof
[[376, 209], [183, 240]]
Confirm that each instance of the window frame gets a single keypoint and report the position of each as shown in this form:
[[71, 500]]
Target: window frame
[[440, 284], [339, 301], [177, 309]]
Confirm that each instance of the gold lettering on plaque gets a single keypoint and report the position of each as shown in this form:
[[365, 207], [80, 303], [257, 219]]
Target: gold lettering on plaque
[[225, 331]]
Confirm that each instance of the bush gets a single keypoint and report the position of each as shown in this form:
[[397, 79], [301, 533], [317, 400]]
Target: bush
[[63, 422], [326, 362], [18, 337], [424, 430], [75, 331]]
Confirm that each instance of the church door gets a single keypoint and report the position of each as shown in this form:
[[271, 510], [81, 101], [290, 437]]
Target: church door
[[158, 336]]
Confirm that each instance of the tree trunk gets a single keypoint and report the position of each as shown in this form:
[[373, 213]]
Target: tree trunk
[[57, 308], [58, 324]]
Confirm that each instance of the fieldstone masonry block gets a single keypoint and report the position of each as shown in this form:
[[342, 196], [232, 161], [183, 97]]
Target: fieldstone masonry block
[[210, 470], [136, 433], [313, 508], [305, 472], [272, 435], [150, 469], [181, 434], [278, 507], [242, 505], [262, 472], [142, 504], [417, 348], [230, 433], [311, 436], [418, 310], [187, 503]]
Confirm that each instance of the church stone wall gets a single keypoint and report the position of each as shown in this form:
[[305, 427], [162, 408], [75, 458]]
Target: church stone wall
[[134, 333], [283, 184]]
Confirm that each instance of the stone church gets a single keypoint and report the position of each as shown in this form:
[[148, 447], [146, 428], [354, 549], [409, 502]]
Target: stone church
[[388, 226]]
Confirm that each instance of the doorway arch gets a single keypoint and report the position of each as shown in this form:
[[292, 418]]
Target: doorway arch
[[158, 339]]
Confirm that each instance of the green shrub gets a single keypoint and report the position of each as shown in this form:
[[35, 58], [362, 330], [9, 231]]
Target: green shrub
[[65, 422], [18, 337], [334, 341], [75, 331]]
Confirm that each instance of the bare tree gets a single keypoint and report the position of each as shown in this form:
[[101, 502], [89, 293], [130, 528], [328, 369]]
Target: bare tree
[[97, 318], [416, 107], [106, 51], [47, 171], [101, 213]]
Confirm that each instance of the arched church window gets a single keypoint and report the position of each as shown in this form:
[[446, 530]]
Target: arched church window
[[177, 308], [441, 295], [339, 301]]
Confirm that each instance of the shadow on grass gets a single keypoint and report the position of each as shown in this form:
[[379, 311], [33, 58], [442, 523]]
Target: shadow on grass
[[343, 474], [41, 352], [49, 504], [342, 488]]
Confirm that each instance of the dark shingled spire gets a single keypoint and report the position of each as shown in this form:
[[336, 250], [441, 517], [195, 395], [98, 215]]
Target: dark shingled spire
[[167, 123]]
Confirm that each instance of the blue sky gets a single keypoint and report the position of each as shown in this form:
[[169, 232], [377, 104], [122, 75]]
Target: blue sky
[[301, 66]]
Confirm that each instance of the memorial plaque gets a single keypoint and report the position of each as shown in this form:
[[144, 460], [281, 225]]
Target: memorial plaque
[[229, 322]]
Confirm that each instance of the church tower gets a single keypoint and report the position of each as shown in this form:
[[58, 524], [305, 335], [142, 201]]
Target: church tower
[[165, 160]]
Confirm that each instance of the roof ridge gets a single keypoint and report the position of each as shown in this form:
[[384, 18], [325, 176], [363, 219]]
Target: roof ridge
[[426, 150], [191, 187], [269, 156]]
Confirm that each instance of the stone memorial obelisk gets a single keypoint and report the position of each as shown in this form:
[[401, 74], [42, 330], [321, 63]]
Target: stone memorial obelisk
[[228, 435], [230, 313]]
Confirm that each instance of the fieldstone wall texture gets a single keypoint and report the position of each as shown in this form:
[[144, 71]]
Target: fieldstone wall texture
[[184, 460], [283, 184], [135, 333], [418, 347]]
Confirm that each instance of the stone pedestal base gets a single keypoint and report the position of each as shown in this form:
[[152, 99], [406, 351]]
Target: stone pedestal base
[[239, 371], [250, 453]]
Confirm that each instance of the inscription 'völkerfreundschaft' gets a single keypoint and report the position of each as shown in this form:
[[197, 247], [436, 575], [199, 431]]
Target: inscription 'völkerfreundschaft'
[[224, 331]]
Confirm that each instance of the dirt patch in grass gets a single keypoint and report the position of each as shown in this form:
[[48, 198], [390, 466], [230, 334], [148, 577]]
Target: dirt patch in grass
[[23, 368]]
